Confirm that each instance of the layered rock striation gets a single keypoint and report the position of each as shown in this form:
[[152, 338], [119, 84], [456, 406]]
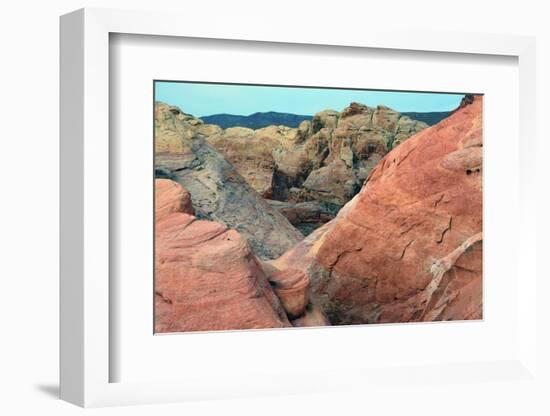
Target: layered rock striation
[[408, 247], [405, 246], [207, 278], [217, 190], [323, 160]]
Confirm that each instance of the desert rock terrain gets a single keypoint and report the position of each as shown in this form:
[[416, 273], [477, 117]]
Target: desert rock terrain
[[354, 217], [408, 247]]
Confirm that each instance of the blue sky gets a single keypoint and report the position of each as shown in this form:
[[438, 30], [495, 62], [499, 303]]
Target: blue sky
[[201, 99]]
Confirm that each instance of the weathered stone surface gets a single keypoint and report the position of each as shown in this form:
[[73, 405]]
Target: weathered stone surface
[[249, 154], [408, 247], [342, 149], [254, 152], [332, 152], [324, 119], [292, 288], [206, 276], [292, 165], [313, 316], [174, 128], [218, 191], [334, 183], [306, 216], [456, 286], [208, 129], [171, 197], [324, 161]]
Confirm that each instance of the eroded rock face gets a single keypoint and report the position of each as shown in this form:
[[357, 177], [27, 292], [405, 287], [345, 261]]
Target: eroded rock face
[[313, 316], [356, 143], [171, 197], [276, 159], [326, 159], [250, 154], [174, 128], [206, 276], [292, 288], [217, 190], [339, 152], [335, 183], [306, 216], [408, 247]]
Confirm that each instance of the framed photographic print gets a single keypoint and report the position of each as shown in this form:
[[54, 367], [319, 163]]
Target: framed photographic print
[[248, 229], [232, 226]]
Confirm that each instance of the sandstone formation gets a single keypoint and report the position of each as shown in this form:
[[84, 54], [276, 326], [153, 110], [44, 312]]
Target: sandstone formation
[[206, 276], [251, 151], [174, 129], [336, 151], [275, 159], [313, 316], [408, 247], [249, 154], [356, 139], [324, 160], [306, 216], [171, 197], [405, 246], [217, 190], [292, 288]]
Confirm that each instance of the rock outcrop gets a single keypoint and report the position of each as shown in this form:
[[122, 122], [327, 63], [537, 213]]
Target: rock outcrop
[[339, 152], [249, 154], [206, 276], [306, 216], [171, 197], [408, 247], [312, 316], [324, 160], [292, 287], [218, 191], [356, 140], [251, 151]]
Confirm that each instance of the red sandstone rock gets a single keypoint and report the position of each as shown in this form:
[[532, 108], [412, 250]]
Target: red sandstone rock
[[380, 259], [306, 216], [218, 191], [171, 197], [313, 316], [292, 288], [206, 277]]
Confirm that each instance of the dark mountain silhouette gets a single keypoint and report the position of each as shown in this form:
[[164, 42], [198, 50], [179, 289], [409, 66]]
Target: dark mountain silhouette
[[260, 120], [256, 120], [431, 118]]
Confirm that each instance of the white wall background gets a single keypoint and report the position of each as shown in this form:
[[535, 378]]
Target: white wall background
[[29, 205]]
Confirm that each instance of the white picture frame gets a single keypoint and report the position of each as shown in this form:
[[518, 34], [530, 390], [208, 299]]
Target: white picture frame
[[85, 221]]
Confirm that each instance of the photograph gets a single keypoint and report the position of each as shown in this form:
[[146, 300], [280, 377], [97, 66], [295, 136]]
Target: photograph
[[218, 208], [280, 206]]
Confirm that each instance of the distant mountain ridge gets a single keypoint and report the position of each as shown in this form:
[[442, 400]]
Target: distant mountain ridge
[[264, 119], [256, 120], [429, 118]]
